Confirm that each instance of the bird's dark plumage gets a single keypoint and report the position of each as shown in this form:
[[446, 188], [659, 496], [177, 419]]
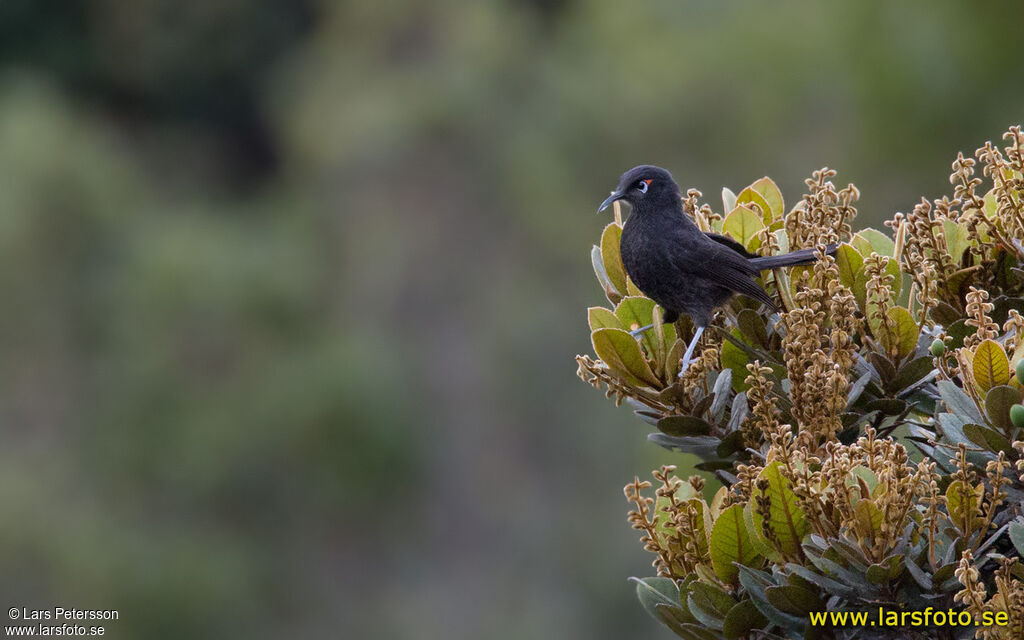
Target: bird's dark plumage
[[682, 268]]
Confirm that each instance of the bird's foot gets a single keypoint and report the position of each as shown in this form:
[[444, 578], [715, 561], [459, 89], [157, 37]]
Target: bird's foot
[[682, 369], [637, 332], [689, 350]]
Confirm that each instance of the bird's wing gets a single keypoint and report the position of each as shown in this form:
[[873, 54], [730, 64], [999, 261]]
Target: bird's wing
[[732, 271], [732, 244]]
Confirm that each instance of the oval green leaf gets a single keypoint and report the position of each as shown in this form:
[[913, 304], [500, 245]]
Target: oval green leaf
[[998, 402], [741, 619], [743, 225], [749, 196], [622, 354], [612, 257], [794, 600], [868, 240], [730, 542], [963, 503], [905, 331], [601, 318], [772, 195], [785, 519], [987, 438], [684, 426], [850, 263], [634, 312], [990, 366]]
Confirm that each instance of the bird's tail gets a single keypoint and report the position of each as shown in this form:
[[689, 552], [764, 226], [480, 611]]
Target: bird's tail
[[792, 259]]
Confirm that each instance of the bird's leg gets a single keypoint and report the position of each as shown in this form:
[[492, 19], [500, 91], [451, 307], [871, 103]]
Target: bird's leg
[[636, 332], [689, 350]]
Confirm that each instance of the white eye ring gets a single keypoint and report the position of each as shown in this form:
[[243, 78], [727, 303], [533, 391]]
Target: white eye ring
[[642, 186]]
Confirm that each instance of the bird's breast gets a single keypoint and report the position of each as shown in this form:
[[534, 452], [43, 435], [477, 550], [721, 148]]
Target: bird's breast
[[648, 256]]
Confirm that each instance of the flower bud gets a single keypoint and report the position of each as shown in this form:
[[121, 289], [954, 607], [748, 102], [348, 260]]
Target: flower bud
[[938, 348]]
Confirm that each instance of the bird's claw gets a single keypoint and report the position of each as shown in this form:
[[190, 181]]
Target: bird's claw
[[636, 332], [682, 370]]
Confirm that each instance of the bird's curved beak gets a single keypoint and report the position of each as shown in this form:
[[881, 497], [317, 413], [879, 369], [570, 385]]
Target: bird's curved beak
[[616, 195]]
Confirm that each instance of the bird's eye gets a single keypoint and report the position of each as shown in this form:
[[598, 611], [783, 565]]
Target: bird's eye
[[642, 185]]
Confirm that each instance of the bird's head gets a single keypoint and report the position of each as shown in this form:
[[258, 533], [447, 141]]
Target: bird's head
[[645, 185]]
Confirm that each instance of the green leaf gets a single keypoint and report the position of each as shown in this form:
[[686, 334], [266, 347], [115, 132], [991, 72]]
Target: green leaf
[[664, 337], [860, 474], [990, 206], [830, 586], [748, 196], [709, 604], [783, 239], [959, 280], [860, 288], [654, 591], [722, 391], [898, 335], [951, 427], [987, 438], [998, 402], [728, 199], [785, 520], [850, 263], [697, 632], [1016, 532], [732, 357], [753, 327], [772, 195], [602, 276], [622, 354], [868, 518], [883, 572], [730, 542], [868, 240], [675, 618], [946, 315], [612, 258], [794, 600], [907, 330], [990, 366], [730, 444], [743, 225], [684, 426], [958, 238], [634, 312], [756, 582], [673, 359], [601, 318], [959, 402], [632, 289], [963, 501], [741, 619], [913, 371], [958, 330], [888, 406], [919, 575], [756, 537]]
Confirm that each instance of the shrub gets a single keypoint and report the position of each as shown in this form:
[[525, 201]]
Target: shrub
[[868, 437]]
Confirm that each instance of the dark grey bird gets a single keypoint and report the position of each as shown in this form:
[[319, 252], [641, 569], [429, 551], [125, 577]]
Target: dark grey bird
[[673, 262]]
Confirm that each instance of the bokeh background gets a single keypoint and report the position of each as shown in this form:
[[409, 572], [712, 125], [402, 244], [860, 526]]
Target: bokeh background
[[290, 290]]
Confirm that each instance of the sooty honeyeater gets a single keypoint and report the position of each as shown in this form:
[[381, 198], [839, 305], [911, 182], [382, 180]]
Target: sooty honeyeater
[[682, 268]]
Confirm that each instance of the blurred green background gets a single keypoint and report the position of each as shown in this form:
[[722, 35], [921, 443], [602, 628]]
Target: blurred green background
[[291, 290]]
